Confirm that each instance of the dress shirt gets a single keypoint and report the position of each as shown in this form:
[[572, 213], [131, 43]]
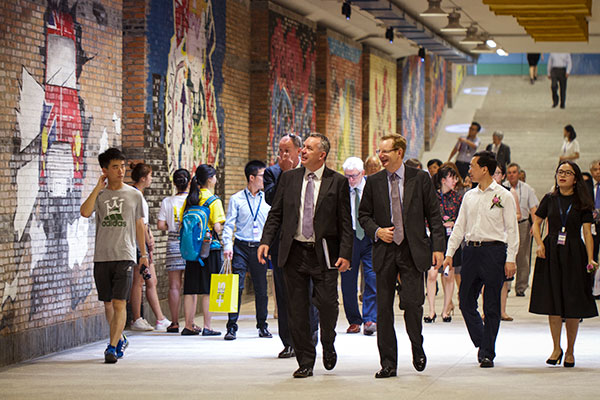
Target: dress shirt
[[478, 221], [560, 60], [466, 152], [495, 148], [570, 148], [527, 198], [400, 173], [317, 182], [240, 218], [360, 187]]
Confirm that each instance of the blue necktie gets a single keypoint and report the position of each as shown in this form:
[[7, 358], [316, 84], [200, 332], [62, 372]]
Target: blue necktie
[[597, 200]]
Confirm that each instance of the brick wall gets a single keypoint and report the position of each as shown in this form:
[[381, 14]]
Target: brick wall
[[61, 82]]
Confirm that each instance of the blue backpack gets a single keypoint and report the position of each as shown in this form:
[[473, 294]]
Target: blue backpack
[[193, 232]]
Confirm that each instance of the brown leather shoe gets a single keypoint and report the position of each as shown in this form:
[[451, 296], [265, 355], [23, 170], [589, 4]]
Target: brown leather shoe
[[353, 328]]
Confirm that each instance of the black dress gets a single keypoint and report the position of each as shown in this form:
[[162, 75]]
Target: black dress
[[561, 285]]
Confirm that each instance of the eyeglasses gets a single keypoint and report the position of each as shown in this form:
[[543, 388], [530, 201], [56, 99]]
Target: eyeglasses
[[352, 176], [561, 172], [386, 152]]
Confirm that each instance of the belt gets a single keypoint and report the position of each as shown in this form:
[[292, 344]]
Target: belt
[[247, 243], [484, 244], [524, 219], [307, 245]]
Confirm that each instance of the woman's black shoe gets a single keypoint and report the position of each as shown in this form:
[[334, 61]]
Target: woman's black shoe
[[556, 361], [429, 319]]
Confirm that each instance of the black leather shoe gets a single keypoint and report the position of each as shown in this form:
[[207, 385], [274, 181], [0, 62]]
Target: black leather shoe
[[287, 352], [303, 372], [420, 362], [264, 332], [487, 362], [329, 359], [230, 335], [385, 372]]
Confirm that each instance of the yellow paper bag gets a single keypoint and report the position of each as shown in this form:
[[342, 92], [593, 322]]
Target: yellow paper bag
[[224, 290]]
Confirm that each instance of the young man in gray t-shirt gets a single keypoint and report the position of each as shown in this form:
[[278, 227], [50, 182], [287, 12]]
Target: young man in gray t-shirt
[[119, 225]]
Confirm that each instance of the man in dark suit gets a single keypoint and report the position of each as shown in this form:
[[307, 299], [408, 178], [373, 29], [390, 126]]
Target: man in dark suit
[[288, 158], [593, 186], [500, 150], [397, 222], [311, 209]]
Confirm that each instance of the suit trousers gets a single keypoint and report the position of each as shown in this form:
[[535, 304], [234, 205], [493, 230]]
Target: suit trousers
[[281, 297], [559, 77], [302, 267], [244, 260], [361, 251], [596, 238], [482, 266], [398, 260], [523, 257]]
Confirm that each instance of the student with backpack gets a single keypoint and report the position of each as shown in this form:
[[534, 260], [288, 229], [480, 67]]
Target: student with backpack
[[197, 273]]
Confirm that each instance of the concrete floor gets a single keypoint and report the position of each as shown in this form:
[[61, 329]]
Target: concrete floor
[[160, 365]]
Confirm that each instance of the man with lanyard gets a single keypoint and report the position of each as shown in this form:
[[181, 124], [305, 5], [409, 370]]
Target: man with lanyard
[[361, 252], [247, 214], [528, 202], [487, 221]]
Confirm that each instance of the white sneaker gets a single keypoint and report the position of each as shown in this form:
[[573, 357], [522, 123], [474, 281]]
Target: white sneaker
[[163, 324], [141, 324]]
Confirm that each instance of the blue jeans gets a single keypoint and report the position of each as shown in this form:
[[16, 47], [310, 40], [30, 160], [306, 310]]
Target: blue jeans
[[361, 251], [244, 260]]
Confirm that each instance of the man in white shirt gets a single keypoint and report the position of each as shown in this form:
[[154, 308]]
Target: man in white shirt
[[559, 68], [487, 221]]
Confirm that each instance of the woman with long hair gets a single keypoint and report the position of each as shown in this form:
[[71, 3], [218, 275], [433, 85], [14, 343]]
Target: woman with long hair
[[445, 181], [169, 218], [141, 174], [562, 285], [197, 278], [570, 148]]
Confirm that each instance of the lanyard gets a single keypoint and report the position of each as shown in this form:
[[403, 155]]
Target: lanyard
[[563, 218], [254, 216], [442, 200]]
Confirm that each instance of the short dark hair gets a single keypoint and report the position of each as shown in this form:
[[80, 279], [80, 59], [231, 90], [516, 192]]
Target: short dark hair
[[434, 161], [487, 159], [139, 171], [110, 154], [514, 164], [252, 168], [324, 145], [477, 125], [571, 131]]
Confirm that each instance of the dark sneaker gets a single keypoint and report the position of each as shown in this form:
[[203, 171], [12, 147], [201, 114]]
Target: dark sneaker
[[189, 332], [173, 328], [121, 346], [110, 355], [230, 335], [264, 332], [210, 332]]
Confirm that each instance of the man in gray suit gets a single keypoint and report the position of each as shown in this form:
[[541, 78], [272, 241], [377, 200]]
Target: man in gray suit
[[500, 150], [401, 247]]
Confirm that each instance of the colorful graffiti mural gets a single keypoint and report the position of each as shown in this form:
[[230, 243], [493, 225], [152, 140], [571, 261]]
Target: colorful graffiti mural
[[187, 87], [382, 104], [53, 127], [292, 79], [413, 105], [344, 119], [437, 96]]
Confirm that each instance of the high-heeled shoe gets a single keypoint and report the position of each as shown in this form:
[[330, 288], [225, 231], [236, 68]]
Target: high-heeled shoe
[[447, 318], [556, 361], [568, 364], [429, 320]]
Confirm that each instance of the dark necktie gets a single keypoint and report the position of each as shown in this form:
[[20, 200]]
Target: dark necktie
[[360, 232], [397, 210], [308, 211], [597, 200]]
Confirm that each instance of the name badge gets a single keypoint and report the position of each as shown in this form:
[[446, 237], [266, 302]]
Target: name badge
[[255, 231], [562, 238]]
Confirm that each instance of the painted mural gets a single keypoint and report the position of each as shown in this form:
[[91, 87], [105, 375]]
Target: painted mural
[[437, 96], [292, 56], [344, 121], [413, 105], [382, 104], [187, 48], [53, 127]]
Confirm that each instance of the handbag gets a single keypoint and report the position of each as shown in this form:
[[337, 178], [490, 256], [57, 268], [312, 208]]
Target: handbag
[[224, 290]]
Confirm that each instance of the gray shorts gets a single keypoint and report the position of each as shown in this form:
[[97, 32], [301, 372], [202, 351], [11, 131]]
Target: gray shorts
[[113, 279]]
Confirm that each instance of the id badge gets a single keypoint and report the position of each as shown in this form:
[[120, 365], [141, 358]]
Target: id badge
[[562, 238], [448, 231], [255, 231]]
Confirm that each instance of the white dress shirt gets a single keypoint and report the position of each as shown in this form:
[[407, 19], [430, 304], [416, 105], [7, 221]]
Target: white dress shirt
[[570, 148], [317, 182], [479, 221]]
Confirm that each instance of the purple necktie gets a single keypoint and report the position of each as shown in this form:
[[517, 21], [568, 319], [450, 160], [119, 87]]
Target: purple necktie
[[397, 210], [308, 211]]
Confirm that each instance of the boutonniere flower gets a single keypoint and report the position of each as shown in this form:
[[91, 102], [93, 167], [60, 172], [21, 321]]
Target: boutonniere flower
[[496, 202]]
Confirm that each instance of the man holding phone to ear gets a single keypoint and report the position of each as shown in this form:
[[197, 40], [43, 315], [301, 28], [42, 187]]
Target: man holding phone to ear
[[119, 225]]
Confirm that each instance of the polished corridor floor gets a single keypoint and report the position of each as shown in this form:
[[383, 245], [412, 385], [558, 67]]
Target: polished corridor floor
[[168, 366]]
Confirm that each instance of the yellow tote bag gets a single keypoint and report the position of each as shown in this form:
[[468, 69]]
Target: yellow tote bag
[[224, 290]]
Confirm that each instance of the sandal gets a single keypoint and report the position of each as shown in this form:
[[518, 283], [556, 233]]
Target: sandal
[[173, 328]]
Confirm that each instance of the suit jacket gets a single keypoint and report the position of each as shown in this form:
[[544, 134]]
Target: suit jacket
[[420, 205], [332, 219], [271, 179], [503, 155]]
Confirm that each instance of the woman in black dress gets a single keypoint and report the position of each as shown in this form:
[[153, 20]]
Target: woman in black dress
[[561, 285]]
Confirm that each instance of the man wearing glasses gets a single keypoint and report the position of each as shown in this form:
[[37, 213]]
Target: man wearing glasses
[[361, 251], [396, 222]]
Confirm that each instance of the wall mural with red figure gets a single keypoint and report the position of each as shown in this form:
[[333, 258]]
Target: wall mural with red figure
[[436, 94], [413, 105]]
